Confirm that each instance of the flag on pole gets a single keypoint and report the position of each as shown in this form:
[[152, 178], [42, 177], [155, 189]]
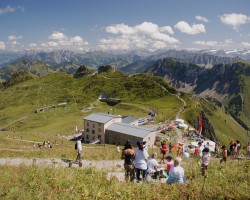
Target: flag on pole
[[200, 124]]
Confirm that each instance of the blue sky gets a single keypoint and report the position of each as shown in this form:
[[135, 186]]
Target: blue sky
[[122, 25]]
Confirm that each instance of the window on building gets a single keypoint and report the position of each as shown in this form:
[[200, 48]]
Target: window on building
[[93, 137], [93, 131], [87, 130], [99, 136], [87, 137], [87, 124], [93, 125], [99, 130]]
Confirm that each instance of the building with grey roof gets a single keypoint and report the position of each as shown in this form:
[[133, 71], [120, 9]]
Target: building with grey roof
[[113, 129], [130, 120], [95, 125], [119, 133]]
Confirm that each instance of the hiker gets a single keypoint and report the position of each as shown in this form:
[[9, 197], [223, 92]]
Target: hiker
[[200, 148], [231, 148], [163, 150], [179, 151], [170, 147], [224, 154], [141, 157], [205, 160], [118, 149], [49, 145], [78, 148], [170, 163], [238, 147], [186, 154], [176, 174], [128, 154]]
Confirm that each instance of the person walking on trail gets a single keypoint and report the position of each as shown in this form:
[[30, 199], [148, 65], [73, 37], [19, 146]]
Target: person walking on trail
[[205, 161], [224, 154], [78, 148], [128, 154], [141, 158], [163, 151]]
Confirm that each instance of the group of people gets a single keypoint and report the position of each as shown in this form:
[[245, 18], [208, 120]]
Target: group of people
[[234, 148], [138, 165]]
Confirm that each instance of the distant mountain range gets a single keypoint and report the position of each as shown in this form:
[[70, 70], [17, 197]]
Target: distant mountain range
[[131, 62]]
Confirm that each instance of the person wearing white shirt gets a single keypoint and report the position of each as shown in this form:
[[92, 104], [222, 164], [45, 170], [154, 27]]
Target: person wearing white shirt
[[79, 151], [141, 157]]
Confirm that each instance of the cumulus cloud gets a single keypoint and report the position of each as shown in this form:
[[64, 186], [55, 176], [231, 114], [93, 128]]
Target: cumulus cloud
[[206, 43], [204, 19], [144, 35], [246, 44], [120, 29], [58, 40], [235, 20], [192, 30], [2, 46], [57, 36], [167, 29]]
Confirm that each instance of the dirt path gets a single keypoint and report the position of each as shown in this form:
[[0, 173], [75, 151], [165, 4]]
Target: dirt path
[[110, 165]]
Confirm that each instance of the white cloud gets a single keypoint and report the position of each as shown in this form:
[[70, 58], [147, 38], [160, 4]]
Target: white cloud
[[57, 36], [167, 29], [2, 46], [192, 30], [204, 19], [120, 29], [144, 35], [234, 20], [13, 37], [147, 28], [58, 40], [8, 9], [246, 44], [206, 43]]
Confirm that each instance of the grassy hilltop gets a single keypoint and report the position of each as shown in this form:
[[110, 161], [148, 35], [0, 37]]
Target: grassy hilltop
[[24, 94]]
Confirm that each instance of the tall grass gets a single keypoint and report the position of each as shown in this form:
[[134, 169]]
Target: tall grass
[[229, 181]]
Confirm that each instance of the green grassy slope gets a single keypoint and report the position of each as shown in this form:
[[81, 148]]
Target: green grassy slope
[[246, 105], [139, 94], [226, 128]]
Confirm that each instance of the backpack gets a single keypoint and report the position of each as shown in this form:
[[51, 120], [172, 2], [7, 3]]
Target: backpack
[[129, 159], [76, 146]]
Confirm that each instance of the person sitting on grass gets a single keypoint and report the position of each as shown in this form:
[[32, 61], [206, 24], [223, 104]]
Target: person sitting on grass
[[154, 169], [176, 174]]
